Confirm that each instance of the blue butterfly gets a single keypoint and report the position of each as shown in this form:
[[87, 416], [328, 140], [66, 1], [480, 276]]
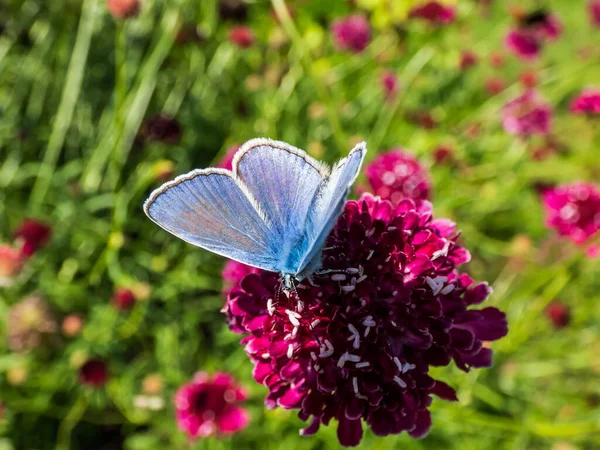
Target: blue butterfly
[[273, 211]]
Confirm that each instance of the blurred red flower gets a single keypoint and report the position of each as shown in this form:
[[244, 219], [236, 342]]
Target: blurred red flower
[[351, 33], [241, 36], [123, 9], [93, 373], [468, 59], [211, 405], [11, 262], [123, 299], [389, 82], [559, 314], [33, 234], [434, 12]]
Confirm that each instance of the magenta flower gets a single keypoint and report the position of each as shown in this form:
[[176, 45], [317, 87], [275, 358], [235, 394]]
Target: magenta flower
[[94, 373], [527, 115], [588, 102], [123, 299], [396, 175], [550, 27], [433, 12], [351, 33], [242, 36], [523, 44], [357, 345], [210, 405], [573, 210], [233, 273], [225, 163], [558, 313], [468, 59], [389, 82], [594, 12], [33, 234]]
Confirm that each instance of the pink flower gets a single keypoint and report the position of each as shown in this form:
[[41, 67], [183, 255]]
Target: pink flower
[[389, 82], [551, 27], [468, 59], [123, 9], [443, 154], [357, 345], [573, 210], [494, 85], [594, 12], [241, 36], [33, 234], [527, 115], [396, 175], [523, 44], [433, 12], [225, 163], [123, 299], [233, 273], [588, 102], [558, 313], [529, 79], [11, 262], [209, 405], [94, 373], [351, 33]]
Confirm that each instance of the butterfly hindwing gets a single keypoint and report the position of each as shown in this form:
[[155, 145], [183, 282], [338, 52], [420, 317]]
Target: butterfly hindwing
[[210, 209]]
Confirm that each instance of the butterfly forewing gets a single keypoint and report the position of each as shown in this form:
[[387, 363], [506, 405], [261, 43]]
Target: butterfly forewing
[[210, 209]]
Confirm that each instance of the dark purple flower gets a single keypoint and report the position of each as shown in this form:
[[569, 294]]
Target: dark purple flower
[[573, 210], [210, 405], [588, 102], [351, 33], [34, 234], [94, 373], [434, 13], [356, 346], [161, 128], [528, 114], [396, 174]]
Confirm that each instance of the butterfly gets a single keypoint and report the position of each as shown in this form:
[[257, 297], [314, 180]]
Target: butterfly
[[273, 210]]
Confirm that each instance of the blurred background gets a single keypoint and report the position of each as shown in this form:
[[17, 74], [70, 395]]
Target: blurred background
[[105, 316]]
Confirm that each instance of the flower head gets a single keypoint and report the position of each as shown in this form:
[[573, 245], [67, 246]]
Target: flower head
[[351, 33], [30, 323], [433, 12], [34, 234], [227, 160], [535, 29], [558, 313], [527, 115], [161, 128], [123, 9], [389, 82], [495, 85], [523, 44], [468, 59], [11, 262], [208, 405], [573, 210], [594, 12], [123, 298], [588, 102], [356, 346], [93, 373], [242, 36], [396, 174]]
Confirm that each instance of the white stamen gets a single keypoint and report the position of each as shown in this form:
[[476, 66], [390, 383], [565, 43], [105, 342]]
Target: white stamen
[[354, 336], [394, 323], [394, 293], [367, 331], [392, 228], [449, 288], [342, 360], [352, 270], [338, 277], [265, 356], [442, 252], [355, 385], [270, 307], [290, 351], [370, 254], [348, 288], [315, 322], [360, 365], [352, 358], [361, 270], [361, 279], [400, 382], [407, 366], [398, 363], [326, 349], [293, 320], [363, 302], [302, 286], [436, 286], [388, 258], [294, 332], [300, 306], [370, 233], [369, 322], [313, 356], [289, 312]]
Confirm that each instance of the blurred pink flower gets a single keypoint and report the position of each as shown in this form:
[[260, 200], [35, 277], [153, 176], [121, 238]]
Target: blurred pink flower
[[527, 115], [468, 59], [594, 12], [94, 373], [495, 85], [558, 313], [588, 102], [434, 12], [11, 262], [573, 210], [523, 44], [396, 175], [233, 273], [210, 405], [123, 9], [225, 163], [351, 33], [33, 234], [241, 36], [529, 79], [123, 299], [389, 82], [443, 154], [497, 60], [357, 346], [550, 27]]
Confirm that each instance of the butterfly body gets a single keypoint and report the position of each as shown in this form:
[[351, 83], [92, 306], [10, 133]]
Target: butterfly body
[[273, 211]]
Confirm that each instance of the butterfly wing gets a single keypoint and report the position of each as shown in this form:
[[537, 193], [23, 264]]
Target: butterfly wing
[[285, 181], [328, 205], [211, 209]]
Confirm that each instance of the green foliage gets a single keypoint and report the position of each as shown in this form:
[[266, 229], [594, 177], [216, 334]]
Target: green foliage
[[76, 87]]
